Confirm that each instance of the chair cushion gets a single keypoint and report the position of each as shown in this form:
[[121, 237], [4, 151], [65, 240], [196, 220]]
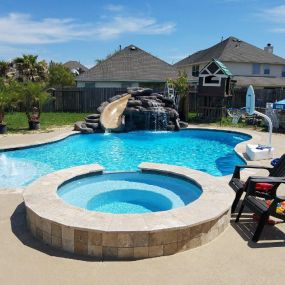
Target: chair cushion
[[263, 187]]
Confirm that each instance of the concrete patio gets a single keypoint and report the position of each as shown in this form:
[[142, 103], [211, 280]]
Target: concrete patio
[[229, 259]]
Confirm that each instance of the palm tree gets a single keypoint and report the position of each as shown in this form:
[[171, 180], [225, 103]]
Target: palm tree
[[29, 69], [33, 95]]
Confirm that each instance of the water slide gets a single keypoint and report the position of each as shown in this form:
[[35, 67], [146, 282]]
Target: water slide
[[111, 116]]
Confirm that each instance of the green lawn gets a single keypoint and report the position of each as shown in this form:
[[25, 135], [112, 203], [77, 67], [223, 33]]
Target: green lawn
[[17, 122], [225, 122]]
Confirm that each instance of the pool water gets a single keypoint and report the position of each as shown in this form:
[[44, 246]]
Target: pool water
[[129, 193], [204, 150]]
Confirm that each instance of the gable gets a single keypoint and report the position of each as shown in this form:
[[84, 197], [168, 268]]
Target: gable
[[215, 69]]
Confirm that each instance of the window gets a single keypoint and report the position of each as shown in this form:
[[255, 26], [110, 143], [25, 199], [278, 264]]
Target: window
[[195, 70], [256, 68], [211, 80], [283, 71], [266, 68]]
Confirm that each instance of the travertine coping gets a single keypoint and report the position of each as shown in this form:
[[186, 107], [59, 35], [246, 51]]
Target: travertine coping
[[126, 236]]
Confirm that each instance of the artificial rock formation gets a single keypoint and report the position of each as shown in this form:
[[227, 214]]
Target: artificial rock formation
[[145, 111]]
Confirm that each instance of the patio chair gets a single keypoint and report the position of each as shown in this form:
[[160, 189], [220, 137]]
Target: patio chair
[[239, 186], [259, 206]]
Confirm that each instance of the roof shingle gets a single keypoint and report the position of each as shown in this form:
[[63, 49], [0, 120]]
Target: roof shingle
[[72, 64], [130, 64], [232, 50]]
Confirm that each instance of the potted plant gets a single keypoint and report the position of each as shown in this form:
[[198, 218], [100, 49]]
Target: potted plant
[[32, 96]]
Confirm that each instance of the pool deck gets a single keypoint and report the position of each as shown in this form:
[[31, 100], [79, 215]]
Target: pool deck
[[229, 259]]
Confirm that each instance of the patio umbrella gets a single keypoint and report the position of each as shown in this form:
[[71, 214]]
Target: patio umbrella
[[280, 105]]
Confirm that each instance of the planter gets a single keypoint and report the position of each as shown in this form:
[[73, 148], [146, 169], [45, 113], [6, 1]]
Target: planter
[[34, 125], [3, 129]]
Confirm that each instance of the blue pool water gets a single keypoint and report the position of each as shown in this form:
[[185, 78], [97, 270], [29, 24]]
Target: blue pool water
[[129, 193], [205, 150]]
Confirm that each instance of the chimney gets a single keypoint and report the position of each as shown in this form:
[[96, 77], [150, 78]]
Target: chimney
[[269, 48]]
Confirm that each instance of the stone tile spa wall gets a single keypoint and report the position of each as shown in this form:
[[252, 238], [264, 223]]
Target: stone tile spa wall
[[107, 236]]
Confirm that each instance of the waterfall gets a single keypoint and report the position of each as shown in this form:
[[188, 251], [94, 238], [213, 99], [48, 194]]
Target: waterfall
[[107, 132], [159, 116]]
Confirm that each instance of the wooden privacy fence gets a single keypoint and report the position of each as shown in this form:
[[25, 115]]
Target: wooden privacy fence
[[75, 99], [87, 100], [262, 96]]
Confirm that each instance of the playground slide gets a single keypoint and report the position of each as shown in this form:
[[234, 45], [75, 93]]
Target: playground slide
[[111, 117]]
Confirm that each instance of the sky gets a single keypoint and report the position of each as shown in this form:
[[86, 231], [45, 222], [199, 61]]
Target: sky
[[86, 30]]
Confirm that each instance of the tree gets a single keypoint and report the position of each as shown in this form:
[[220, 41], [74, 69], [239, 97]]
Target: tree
[[7, 98], [4, 68], [29, 69], [60, 76], [4, 100], [99, 60], [182, 86]]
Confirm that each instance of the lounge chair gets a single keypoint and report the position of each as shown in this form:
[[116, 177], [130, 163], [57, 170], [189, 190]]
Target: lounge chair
[[239, 186], [260, 206]]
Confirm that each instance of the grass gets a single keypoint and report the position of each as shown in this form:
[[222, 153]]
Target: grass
[[225, 122], [17, 122]]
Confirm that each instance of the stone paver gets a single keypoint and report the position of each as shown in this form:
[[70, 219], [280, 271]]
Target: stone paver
[[229, 259]]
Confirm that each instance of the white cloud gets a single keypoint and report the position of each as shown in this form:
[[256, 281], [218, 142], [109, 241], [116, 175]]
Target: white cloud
[[114, 8], [275, 14], [130, 25], [278, 30], [22, 29]]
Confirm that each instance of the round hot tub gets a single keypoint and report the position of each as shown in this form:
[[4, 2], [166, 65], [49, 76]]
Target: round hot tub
[[162, 210], [129, 193]]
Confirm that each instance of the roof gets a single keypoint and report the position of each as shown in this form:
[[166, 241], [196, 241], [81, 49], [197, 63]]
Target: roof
[[223, 67], [260, 81], [72, 64], [232, 50], [130, 64], [215, 67]]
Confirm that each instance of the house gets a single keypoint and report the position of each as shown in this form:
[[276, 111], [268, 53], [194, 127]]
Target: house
[[248, 64], [129, 67], [75, 67]]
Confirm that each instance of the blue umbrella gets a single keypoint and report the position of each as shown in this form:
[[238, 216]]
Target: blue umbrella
[[280, 105]]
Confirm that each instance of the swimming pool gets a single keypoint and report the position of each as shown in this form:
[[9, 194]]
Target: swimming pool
[[129, 192], [205, 150]]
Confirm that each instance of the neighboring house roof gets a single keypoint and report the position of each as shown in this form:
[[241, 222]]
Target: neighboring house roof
[[232, 50], [130, 64], [259, 81], [72, 64]]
